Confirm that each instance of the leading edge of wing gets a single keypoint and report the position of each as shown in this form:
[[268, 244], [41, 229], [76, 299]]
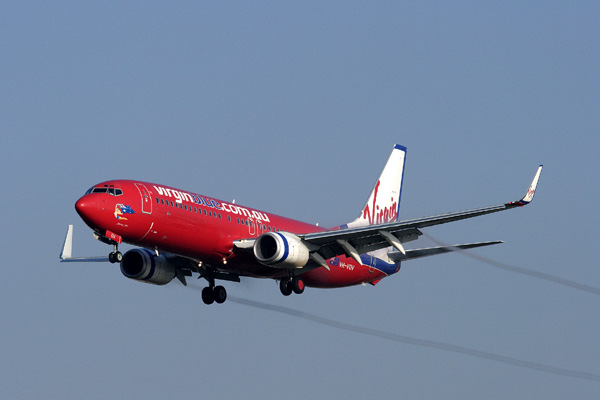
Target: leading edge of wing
[[321, 238]]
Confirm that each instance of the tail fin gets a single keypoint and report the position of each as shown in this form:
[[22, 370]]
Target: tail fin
[[384, 202]]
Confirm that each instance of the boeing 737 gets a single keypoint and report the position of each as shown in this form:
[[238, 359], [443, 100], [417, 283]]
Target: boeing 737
[[180, 233]]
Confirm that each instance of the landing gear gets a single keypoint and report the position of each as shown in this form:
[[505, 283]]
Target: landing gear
[[291, 284], [207, 296], [220, 294], [115, 256], [297, 285], [285, 285], [216, 294], [211, 293]]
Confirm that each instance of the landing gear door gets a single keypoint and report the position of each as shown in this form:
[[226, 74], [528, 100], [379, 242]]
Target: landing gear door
[[146, 200]]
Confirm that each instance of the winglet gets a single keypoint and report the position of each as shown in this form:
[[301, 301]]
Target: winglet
[[66, 255], [530, 192], [67, 250]]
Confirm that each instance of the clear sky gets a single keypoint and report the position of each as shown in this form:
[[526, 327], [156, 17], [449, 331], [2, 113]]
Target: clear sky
[[293, 107]]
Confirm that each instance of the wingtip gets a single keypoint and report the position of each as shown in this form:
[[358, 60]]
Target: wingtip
[[528, 198], [67, 249]]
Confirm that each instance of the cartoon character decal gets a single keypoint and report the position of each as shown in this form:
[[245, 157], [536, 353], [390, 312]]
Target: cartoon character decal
[[121, 210]]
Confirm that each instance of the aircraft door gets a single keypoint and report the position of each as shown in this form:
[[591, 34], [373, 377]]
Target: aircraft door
[[251, 226], [146, 199]]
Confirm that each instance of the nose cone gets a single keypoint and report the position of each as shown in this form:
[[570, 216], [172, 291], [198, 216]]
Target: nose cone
[[87, 208]]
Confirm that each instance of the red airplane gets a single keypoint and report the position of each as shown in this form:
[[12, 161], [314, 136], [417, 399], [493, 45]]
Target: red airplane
[[180, 233]]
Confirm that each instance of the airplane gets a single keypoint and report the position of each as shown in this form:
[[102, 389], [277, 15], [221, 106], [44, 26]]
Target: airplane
[[180, 233]]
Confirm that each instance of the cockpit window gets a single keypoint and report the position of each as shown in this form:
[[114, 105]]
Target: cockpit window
[[115, 192], [112, 191]]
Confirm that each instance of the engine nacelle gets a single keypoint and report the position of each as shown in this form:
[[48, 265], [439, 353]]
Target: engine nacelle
[[143, 265], [281, 250]]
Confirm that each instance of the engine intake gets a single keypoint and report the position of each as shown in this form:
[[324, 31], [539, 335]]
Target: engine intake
[[143, 265], [281, 250]]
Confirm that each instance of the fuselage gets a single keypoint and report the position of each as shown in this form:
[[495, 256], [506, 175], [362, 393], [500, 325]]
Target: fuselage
[[201, 228]]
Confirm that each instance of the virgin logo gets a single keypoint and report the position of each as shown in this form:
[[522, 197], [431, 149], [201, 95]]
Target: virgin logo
[[379, 214]]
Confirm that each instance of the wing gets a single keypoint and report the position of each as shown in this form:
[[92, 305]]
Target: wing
[[432, 251], [354, 241]]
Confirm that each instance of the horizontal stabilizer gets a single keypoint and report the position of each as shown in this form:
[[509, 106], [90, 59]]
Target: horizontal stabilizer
[[431, 251]]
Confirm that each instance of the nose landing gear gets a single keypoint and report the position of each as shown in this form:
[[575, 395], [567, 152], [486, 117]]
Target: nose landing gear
[[115, 256], [112, 239]]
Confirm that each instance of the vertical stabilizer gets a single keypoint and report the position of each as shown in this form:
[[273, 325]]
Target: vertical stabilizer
[[384, 202]]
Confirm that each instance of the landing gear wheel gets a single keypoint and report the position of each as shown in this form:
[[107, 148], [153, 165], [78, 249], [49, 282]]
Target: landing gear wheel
[[208, 296], [115, 257], [297, 285], [285, 285], [219, 294]]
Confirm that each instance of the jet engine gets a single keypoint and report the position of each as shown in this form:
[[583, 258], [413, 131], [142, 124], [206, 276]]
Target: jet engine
[[145, 266], [281, 250]]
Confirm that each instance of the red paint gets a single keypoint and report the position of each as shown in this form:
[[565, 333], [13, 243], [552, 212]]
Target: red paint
[[378, 215], [204, 228], [114, 236]]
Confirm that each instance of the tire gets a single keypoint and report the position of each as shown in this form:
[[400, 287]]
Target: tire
[[220, 294], [297, 285], [285, 286], [208, 295]]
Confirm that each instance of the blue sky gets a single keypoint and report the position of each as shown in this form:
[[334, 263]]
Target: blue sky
[[293, 107]]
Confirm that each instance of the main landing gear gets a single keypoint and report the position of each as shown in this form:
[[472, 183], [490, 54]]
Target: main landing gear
[[214, 294], [291, 284], [211, 293]]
